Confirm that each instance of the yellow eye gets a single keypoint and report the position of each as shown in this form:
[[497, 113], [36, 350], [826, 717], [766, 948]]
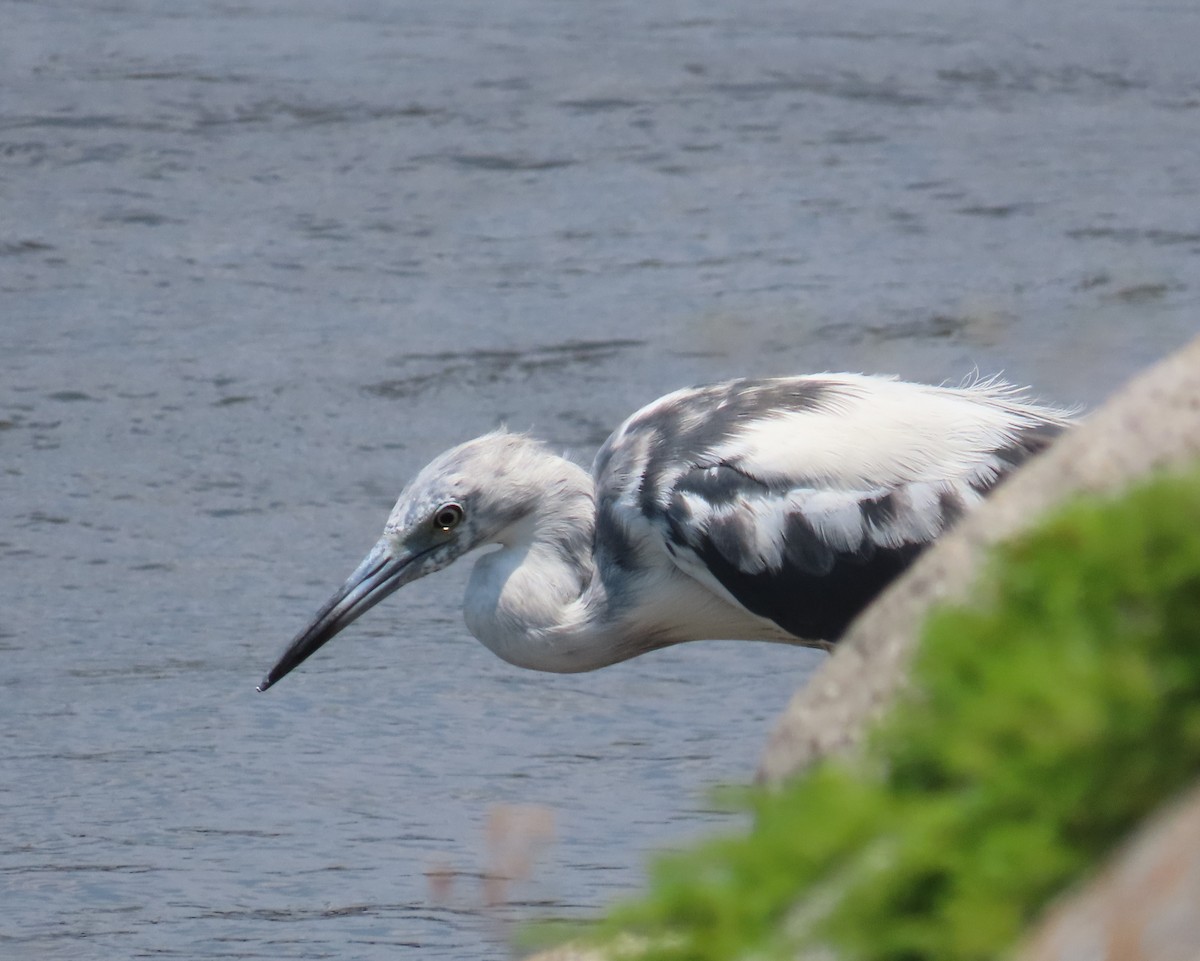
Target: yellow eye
[[448, 517]]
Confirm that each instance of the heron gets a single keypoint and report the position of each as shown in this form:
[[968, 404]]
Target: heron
[[770, 509]]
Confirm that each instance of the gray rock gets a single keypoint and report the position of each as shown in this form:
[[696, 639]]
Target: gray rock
[[1145, 904]]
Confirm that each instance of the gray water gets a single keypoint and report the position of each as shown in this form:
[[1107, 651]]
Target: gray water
[[260, 261]]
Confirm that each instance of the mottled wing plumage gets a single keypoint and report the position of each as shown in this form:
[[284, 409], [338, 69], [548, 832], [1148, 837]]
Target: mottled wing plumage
[[806, 558], [801, 498]]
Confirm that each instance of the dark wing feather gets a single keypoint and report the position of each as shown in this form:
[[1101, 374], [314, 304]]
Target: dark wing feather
[[809, 578], [807, 550]]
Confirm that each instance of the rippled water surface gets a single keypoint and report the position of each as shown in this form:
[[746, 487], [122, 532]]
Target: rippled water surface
[[259, 261]]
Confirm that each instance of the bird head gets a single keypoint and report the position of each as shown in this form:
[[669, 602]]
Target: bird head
[[465, 498]]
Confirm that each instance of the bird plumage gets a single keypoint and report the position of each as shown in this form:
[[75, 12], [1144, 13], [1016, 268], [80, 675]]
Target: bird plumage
[[771, 509], [799, 498]]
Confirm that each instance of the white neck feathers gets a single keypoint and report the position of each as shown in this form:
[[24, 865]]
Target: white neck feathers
[[531, 601]]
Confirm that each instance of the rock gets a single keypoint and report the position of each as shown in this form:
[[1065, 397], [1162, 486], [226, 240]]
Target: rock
[[1154, 422], [1144, 906]]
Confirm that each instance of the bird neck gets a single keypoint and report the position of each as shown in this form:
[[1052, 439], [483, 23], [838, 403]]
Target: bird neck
[[537, 600]]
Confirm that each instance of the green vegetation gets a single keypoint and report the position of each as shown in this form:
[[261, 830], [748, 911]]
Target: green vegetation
[[1042, 724]]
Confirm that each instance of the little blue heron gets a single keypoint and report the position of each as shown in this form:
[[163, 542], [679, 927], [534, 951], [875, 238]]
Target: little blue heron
[[770, 509]]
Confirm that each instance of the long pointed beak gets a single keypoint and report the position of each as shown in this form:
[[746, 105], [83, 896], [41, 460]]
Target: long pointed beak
[[380, 574]]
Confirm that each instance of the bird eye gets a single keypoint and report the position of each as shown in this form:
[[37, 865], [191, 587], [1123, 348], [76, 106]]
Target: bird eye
[[447, 517]]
